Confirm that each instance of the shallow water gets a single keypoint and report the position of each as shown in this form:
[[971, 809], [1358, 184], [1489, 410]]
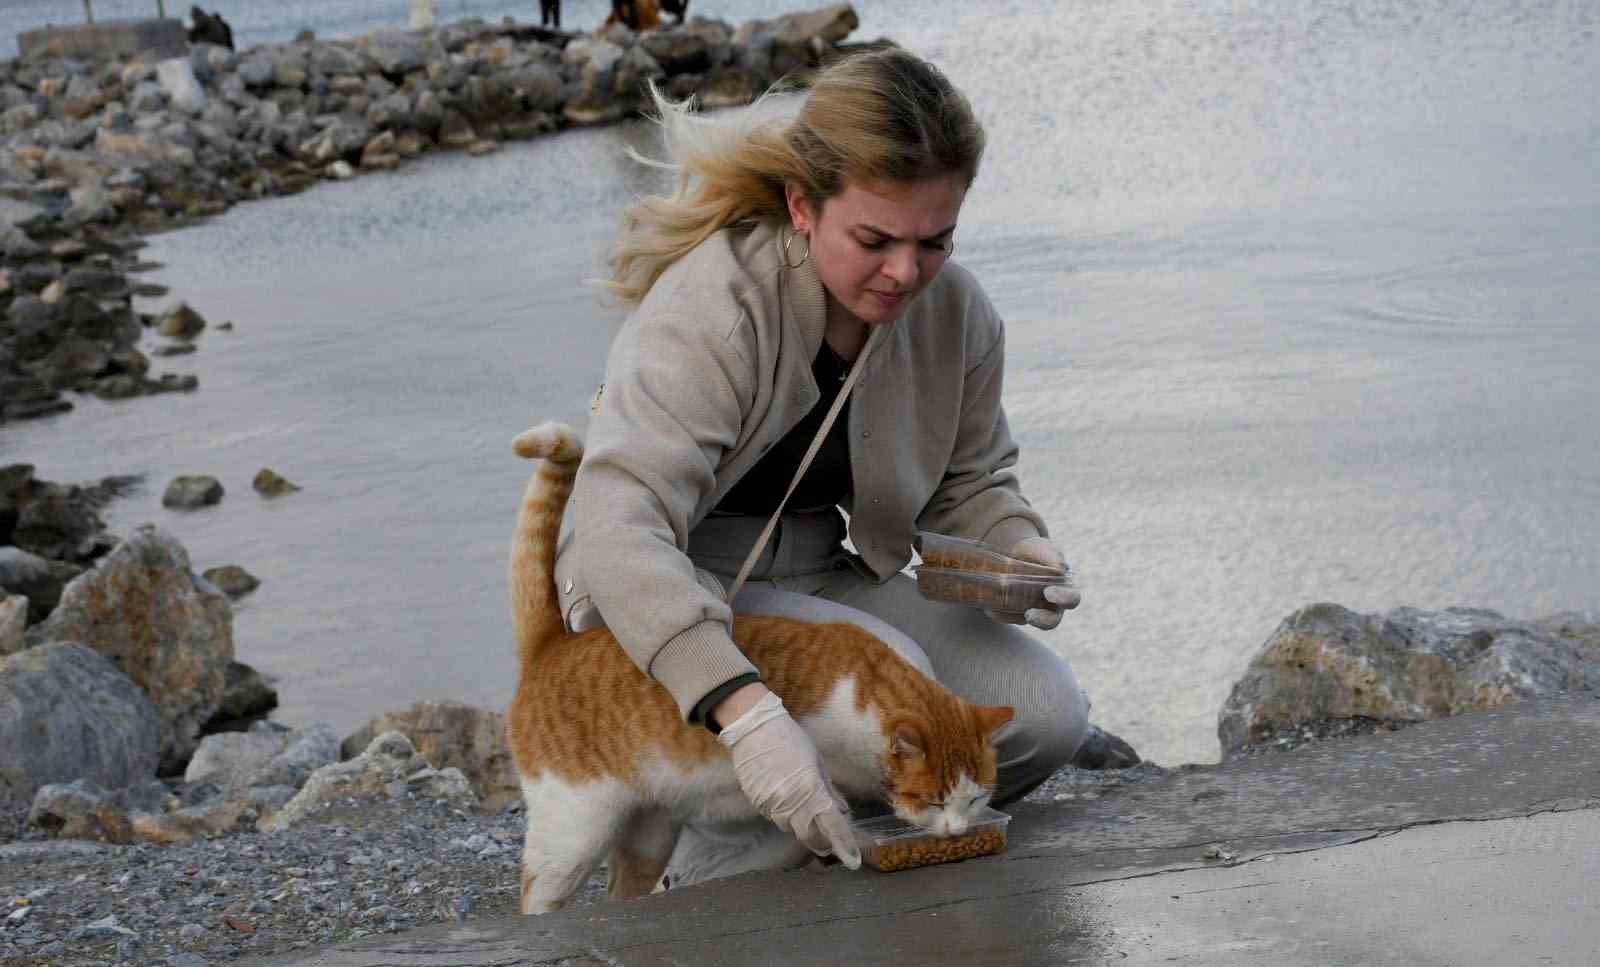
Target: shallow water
[[1302, 304]]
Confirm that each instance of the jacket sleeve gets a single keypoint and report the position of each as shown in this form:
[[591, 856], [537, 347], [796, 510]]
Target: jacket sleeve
[[675, 393], [979, 496]]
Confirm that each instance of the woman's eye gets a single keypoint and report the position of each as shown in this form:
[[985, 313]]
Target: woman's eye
[[872, 246], [938, 245]]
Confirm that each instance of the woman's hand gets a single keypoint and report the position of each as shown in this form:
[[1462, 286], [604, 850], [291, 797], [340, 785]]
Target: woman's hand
[[781, 774], [1039, 550]]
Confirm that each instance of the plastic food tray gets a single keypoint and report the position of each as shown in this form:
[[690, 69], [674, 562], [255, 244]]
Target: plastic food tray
[[961, 554], [976, 574], [888, 843], [1011, 594]]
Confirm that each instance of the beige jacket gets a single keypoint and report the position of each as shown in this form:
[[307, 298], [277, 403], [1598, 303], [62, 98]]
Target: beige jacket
[[710, 371]]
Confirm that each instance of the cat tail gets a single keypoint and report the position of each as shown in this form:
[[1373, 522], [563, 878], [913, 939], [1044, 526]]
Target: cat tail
[[535, 609]]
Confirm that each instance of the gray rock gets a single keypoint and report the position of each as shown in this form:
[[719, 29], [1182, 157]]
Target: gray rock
[[192, 491], [90, 203], [13, 619], [679, 51], [397, 52], [452, 735], [391, 112], [390, 758], [97, 283], [540, 86], [82, 809], [1102, 750], [1327, 663], [268, 483], [827, 24], [67, 712], [232, 580], [237, 761], [180, 322], [147, 98], [257, 68], [248, 694], [171, 633], [336, 58], [38, 578]]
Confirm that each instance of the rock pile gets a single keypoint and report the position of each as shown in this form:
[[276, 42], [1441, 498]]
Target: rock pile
[[1327, 670], [93, 152]]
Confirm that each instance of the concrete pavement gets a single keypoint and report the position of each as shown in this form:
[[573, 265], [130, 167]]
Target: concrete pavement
[[1471, 840]]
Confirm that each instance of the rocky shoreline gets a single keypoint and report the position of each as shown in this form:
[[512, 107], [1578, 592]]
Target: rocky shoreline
[[95, 153]]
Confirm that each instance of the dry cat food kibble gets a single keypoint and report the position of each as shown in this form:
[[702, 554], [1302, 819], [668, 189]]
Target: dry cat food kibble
[[888, 844], [961, 554], [975, 574]]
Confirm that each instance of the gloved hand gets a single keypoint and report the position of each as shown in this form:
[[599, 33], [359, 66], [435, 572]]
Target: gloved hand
[[1064, 597], [781, 773]]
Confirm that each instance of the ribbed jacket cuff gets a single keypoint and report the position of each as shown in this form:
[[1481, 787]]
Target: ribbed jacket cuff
[[1008, 531], [697, 660]]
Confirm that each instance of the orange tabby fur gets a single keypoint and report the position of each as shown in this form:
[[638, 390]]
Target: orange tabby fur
[[589, 730]]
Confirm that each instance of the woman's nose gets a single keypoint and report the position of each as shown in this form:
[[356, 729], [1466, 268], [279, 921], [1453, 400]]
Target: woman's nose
[[901, 266]]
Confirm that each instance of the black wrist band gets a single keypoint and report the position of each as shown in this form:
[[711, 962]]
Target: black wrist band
[[701, 713]]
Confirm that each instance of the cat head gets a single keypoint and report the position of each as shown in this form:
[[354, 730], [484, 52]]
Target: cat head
[[939, 773]]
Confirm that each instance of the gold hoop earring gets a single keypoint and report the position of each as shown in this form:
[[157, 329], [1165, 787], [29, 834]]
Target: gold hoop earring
[[790, 241]]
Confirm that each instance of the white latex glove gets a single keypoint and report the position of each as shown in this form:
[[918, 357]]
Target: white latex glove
[[1064, 597], [781, 773]]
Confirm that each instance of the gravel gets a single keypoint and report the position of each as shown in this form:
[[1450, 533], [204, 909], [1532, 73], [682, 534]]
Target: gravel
[[355, 868]]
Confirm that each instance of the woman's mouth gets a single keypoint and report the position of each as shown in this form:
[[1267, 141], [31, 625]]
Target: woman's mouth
[[886, 299]]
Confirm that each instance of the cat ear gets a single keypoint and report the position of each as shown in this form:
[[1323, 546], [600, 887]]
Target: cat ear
[[991, 717], [906, 742]]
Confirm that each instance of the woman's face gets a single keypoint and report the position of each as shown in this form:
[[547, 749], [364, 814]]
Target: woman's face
[[877, 245]]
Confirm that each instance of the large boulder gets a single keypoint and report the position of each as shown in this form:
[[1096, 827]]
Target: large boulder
[[1326, 664], [169, 631], [67, 713], [452, 734]]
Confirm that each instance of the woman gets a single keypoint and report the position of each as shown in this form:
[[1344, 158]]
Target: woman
[[754, 288]]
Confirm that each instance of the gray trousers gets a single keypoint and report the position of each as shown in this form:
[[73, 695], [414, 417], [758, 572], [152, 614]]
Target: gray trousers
[[805, 572]]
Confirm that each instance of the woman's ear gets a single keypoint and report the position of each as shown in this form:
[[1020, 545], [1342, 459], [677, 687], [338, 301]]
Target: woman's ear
[[800, 213]]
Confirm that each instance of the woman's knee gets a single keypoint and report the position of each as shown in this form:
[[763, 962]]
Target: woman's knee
[[1051, 712]]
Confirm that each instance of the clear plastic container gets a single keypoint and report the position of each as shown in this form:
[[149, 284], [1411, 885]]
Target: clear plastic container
[[888, 843], [962, 554], [1008, 595]]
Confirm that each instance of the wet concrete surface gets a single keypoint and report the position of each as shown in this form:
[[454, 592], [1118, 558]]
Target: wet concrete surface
[[1471, 840]]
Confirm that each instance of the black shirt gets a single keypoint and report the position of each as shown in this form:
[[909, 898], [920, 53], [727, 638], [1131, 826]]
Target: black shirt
[[827, 480]]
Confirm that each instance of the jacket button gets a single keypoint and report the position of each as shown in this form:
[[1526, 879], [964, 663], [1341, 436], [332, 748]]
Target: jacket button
[[876, 501], [866, 433], [568, 588]]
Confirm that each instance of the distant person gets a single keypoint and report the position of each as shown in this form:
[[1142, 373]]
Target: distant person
[[636, 15], [209, 29], [550, 14], [678, 8]]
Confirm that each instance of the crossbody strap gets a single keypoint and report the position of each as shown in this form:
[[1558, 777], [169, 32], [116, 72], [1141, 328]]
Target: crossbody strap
[[822, 432]]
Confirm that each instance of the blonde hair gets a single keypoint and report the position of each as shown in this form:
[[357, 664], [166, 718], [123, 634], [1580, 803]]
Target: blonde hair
[[886, 115]]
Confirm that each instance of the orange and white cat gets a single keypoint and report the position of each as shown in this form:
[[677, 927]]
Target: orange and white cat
[[610, 771]]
